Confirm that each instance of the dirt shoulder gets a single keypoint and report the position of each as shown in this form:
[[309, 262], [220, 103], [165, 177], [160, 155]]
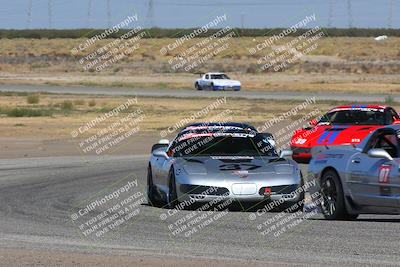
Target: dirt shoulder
[[47, 125], [23, 257], [12, 148]]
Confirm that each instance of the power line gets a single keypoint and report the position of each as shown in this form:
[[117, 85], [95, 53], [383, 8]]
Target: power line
[[232, 3]]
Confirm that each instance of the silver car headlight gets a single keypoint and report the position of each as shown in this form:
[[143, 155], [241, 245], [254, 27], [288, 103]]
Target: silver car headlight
[[195, 169]]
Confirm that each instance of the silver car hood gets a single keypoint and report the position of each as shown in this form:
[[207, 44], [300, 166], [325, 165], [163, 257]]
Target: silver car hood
[[237, 166]]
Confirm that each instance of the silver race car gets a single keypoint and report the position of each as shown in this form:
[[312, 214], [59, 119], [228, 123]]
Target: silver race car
[[231, 161], [359, 179]]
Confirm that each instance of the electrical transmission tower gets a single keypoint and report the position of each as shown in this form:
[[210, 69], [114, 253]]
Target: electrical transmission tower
[[349, 14], [89, 13], [330, 15], [108, 13], [50, 13], [29, 15], [390, 19], [150, 14]]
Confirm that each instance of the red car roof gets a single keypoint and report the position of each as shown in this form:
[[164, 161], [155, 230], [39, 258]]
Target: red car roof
[[361, 106]]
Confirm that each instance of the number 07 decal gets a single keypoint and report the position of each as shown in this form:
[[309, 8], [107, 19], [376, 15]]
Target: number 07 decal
[[384, 172]]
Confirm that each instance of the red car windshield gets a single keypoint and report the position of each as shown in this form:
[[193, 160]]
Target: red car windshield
[[354, 117]]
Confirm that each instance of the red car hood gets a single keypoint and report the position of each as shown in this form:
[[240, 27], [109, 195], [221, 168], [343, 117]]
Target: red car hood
[[322, 135]]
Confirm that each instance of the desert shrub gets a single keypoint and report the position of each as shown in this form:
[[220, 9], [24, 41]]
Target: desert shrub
[[32, 99], [92, 103], [79, 102], [38, 65], [27, 112], [67, 105]]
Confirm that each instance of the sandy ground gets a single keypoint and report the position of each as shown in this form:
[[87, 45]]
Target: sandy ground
[[49, 136], [8, 257], [38, 147]]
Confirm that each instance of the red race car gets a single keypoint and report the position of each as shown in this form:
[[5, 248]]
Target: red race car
[[344, 125]]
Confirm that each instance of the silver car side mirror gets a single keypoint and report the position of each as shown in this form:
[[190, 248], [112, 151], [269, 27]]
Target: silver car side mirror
[[161, 143], [164, 142], [286, 153], [160, 154], [379, 153]]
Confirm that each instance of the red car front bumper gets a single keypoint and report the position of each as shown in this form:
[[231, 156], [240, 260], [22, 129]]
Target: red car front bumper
[[301, 154]]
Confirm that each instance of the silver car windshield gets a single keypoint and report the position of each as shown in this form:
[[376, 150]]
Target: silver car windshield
[[224, 146]]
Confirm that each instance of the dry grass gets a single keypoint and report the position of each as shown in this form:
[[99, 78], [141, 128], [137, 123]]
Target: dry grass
[[349, 48], [160, 113], [340, 64], [340, 54]]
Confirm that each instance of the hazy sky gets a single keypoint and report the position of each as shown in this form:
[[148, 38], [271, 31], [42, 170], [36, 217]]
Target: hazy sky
[[192, 13]]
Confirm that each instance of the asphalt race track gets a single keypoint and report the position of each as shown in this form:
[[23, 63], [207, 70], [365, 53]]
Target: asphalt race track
[[36, 196], [180, 93]]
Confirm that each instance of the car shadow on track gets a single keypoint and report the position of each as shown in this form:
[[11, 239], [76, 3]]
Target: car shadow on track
[[380, 220], [233, 207], [251, 207]]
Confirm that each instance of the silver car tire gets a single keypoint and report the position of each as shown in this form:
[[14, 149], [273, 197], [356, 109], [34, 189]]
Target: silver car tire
[[333, 205], [151, 198], [172, 198]]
